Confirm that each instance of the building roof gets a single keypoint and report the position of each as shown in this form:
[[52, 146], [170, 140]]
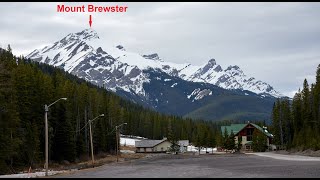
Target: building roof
[[236, 128], [265, 131], [149, 143], [233, 127]]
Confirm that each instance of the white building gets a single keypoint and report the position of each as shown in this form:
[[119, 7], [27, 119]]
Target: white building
[[145, 146]]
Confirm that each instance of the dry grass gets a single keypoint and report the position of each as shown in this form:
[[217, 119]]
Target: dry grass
[[132, 148], [109, 159], [99, 159]]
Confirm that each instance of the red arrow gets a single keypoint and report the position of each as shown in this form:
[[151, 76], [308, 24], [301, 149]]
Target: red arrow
[[90, 20]]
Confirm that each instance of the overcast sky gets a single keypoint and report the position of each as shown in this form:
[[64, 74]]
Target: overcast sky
[[278, 43]]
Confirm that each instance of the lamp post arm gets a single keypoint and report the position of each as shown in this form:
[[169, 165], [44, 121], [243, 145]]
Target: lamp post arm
[[94, 119], [120, 125], [53, 103]]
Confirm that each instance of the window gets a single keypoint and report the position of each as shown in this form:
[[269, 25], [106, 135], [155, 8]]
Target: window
[[249, 134]]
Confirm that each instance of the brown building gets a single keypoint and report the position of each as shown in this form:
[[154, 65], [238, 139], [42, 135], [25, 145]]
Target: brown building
[[245, 132]]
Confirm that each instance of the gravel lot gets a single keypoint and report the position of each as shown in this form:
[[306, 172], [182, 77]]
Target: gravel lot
[[195, 166]]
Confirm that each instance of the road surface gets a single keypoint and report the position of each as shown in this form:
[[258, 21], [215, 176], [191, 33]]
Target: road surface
[[203, 166]]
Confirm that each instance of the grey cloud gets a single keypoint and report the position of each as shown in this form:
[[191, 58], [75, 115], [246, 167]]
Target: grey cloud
[[274, 42]]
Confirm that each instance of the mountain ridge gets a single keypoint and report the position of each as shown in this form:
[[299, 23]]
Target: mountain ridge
[[116, 69]]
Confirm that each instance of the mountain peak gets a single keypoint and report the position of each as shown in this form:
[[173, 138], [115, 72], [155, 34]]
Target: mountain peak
[[233, 67], [153, 56], [121, 47], [212, 62], [88, 34]]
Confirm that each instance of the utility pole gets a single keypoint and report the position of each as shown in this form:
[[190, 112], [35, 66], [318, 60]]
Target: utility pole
[[92, 156], [46, 109], [91, 143], [46, 134], [118, 139], [117, 143]]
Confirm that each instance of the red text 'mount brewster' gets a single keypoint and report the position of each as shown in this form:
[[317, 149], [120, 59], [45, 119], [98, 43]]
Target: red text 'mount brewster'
[[91, 8]]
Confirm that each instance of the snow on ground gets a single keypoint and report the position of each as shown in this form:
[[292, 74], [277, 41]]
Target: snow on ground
[[128, 141], [31, 175], [286, 157], [202, 151], [127, 151], [192, 149]]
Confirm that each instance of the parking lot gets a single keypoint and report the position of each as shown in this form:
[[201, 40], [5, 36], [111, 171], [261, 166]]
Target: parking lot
[[195, 166]]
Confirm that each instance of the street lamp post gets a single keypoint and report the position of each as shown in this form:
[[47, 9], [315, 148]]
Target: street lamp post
[[46, 109], [101, 115], [117, 139]]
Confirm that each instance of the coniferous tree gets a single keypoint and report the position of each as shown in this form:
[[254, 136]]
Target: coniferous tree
[[275, 123], [231, 142], [239, 144], [225, 138], [9, 117], [301, 125], [259, 141], [172, 139], [297, 118], [317, 100]]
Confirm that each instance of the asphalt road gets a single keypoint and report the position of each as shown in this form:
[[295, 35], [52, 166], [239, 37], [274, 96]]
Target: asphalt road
[[203, 166]]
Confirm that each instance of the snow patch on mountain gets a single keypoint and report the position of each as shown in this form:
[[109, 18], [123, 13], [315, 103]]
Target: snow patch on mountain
[[198, 94], [173, 85]]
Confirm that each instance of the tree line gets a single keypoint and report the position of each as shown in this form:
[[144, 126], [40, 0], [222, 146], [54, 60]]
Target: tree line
[[296, 123], [26, 86]]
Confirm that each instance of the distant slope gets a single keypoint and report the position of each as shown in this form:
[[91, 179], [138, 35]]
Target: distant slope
[[230, 107], [172, 95]]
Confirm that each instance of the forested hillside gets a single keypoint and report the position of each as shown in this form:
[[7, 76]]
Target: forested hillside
[[25, 87], [296, 125]]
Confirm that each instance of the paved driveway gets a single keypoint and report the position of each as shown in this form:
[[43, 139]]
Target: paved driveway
[[195, 166]]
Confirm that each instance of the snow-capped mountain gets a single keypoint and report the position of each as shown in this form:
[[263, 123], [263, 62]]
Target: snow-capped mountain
[[83, 51], [230, 78], [84, 55], [81, 55]]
